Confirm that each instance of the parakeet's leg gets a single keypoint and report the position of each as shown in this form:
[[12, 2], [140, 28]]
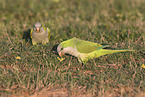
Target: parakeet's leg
[[81, 62], [45, 41]]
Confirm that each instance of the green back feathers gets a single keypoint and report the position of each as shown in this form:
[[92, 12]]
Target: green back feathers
[[86, 46], [68, 43]]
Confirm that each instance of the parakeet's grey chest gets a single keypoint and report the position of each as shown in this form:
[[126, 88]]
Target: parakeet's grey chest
[[41, 35]]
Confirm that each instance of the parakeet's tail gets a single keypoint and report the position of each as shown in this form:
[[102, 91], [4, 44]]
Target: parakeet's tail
[[106, 51], [100, 52]]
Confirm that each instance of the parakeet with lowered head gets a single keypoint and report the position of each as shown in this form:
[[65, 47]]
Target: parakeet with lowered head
[[84, 50], [39, 34]]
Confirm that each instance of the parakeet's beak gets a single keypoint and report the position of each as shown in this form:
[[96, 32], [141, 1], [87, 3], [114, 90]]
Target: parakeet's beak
[[61, 54], [37, 29]]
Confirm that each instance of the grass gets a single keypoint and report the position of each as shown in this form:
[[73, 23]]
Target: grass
[[120, 23]]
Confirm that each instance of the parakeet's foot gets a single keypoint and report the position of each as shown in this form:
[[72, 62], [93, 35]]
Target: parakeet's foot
[[34, 43], [44, 43], [143, 66], [60, 59]]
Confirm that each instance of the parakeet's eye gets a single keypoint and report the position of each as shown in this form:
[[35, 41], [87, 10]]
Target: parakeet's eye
[[61, 49]]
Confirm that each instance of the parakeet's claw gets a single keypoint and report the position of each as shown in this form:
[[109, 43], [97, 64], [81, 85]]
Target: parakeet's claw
[[44, 43], [60, 59], [143, 66], [80, 60], [34, 43]]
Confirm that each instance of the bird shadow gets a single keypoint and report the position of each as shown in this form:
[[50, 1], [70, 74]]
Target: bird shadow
[[107, 47], [54, 49], [26, 36]]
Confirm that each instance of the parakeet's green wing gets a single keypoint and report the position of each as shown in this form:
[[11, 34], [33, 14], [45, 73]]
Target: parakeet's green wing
[[47, 31], [31, 33], [86, 46]]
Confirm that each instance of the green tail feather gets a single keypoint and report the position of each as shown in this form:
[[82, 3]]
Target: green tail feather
[[106, 51], [101, 52]]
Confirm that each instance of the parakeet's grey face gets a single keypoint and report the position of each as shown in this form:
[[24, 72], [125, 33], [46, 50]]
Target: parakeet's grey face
[[61, 51], [37, 27]]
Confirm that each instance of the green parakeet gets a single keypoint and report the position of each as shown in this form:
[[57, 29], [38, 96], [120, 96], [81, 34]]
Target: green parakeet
[[84, 50], [39, 34]]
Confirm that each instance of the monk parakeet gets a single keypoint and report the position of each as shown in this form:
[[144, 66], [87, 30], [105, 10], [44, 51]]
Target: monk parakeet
[[84, 50], [39, 34]]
